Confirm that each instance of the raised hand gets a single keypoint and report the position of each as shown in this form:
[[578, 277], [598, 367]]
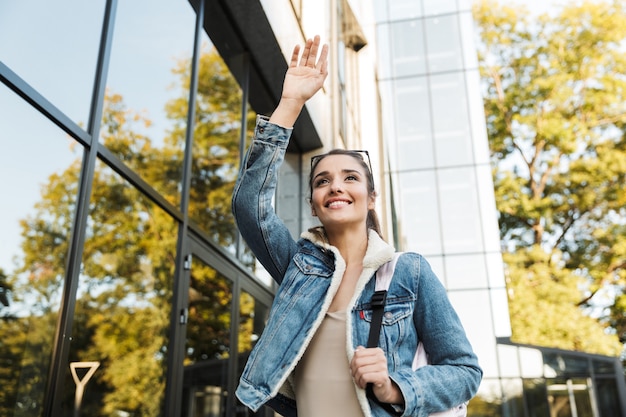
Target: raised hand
[[305, 76]]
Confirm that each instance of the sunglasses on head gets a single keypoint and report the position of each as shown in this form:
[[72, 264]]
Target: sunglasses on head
[[354, 153]]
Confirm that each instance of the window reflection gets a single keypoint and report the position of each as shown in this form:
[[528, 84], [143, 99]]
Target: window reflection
[[53, 46], [403, 9], [466, 271], [459, 208], [39, 166], [453, 141], [420, 231], [407, 46], [252, 318], [413, 124], [558, 364], [439, 6], [148, 88], [443, 42], [488, 400], [512, 401], [207, 348], [123, 303], [216, 149]]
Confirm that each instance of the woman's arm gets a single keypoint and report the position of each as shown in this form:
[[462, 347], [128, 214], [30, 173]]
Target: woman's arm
[[264, 232], [303, 79], [454, 373]]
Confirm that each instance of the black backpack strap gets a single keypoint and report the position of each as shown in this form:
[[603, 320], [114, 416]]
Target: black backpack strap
[[377, 303], [378, 308]]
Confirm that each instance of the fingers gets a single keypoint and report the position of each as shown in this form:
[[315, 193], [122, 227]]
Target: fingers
[[294, 56], [322, 63], [309, 55], [369, 365]]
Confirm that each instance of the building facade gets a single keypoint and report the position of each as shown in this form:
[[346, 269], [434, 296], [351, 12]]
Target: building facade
[[125, 289]]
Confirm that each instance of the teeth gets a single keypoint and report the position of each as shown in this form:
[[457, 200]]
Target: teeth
[[337, 203]]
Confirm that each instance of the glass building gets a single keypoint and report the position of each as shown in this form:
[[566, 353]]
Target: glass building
[[125, 289]]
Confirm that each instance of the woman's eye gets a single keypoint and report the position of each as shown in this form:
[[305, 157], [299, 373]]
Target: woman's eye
[[321, 181], [352, 178]]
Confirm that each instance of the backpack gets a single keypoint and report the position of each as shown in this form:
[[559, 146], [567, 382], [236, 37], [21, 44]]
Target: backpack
[[383, 280]]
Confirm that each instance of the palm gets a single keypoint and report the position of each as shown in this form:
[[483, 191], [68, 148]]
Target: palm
[[302, 82], [306, 74]]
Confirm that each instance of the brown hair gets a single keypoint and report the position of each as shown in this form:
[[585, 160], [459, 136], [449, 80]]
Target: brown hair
[[372, 217]]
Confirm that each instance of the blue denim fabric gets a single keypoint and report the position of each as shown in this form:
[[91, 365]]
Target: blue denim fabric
[[309, 273]]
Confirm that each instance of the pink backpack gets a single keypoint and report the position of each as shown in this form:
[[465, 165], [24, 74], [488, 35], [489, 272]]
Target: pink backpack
[[383, 280]]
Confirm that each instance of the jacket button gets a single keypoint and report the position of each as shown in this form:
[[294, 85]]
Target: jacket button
[[388, 315], [261, 129]]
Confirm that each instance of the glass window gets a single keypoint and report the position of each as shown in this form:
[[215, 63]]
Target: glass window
[[467, 34], [512, 391], [384, 51], [603, 367], [532, 362], [564, 364], [488, 400], [123, 305], [381, 13], [474, 309], [407, 48], [53, 46], [207, 348], [477, 118], [432, 7], [608, 397], [252, 318], [419, 230], [488, 211], [536, 397], [466, 271], [460, 219], [569, 397], [39, 165], [508, 361], [288, 198], [403, 9], [148, 88], [215, 155], [413, 124], [500, 307], [453, 141], [495, 270], [388, 115], [443, 43]]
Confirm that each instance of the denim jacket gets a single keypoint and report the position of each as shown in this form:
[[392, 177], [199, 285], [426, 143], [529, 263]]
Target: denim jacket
[[309, 273]]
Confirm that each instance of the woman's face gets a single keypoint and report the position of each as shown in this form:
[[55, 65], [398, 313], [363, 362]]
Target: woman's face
[[340, 196]]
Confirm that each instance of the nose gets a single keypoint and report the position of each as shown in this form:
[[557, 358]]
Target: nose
[[335, 187]]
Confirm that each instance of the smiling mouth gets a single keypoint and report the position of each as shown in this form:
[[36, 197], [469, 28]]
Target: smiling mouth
[[336, 204]]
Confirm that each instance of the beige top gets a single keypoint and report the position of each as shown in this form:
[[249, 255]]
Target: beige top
[[323, 383]]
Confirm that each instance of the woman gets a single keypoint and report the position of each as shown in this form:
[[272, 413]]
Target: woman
[[310, 359]]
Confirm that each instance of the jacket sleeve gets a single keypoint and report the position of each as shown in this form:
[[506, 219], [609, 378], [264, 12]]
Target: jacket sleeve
[[453, 374], [264, 232]]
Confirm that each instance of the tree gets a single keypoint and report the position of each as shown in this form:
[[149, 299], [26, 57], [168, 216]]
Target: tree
[[555, 106]]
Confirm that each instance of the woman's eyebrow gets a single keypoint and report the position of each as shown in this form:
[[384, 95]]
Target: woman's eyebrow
[[345, 171]]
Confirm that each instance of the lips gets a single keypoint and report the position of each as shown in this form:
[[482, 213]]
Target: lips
[[337, 203]]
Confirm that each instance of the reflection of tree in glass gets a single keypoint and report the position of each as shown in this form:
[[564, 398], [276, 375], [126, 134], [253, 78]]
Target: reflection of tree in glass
[[208, 328], [123, 308], [216, 146]]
